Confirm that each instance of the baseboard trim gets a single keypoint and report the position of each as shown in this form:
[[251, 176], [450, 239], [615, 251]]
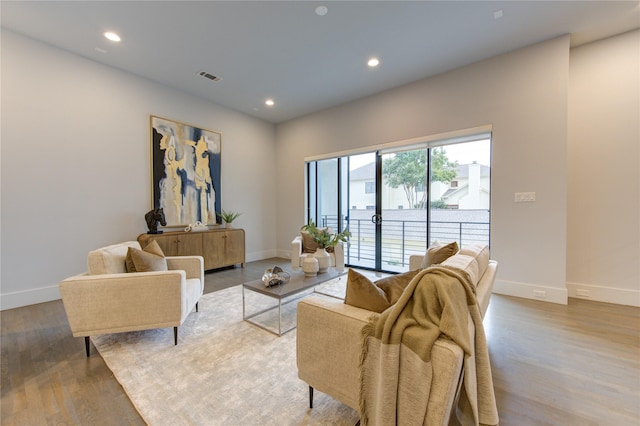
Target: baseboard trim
[[19, 299], [284, 254], [619, 296], [261, 255], [531, 291]]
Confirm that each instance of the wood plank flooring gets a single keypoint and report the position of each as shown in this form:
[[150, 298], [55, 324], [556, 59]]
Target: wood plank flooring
[[552, 364]]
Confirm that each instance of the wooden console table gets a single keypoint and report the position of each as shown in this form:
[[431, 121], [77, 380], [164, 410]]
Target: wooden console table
[[219, 247]]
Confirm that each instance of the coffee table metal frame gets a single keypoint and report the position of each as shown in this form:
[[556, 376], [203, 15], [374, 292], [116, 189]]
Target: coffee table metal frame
[[299, 283]]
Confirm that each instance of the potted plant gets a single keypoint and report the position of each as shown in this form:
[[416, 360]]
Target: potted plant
[[228, 216], [325, 239]]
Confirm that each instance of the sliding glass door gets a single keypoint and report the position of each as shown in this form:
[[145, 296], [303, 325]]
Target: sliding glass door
[[362, 195], [396, 202], [403, 213]]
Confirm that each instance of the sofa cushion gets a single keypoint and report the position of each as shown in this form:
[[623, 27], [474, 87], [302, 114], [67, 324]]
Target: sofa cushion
[[376, 296], [472, 259], [394, 285], [151, 258], [438, 253], [110, 259], [481, 253], [362, 293]]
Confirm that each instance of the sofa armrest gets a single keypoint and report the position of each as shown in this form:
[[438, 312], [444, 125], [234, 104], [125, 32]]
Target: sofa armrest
[[192, 265], [329, 349], [113, 303], [296, 253], [328, 346]]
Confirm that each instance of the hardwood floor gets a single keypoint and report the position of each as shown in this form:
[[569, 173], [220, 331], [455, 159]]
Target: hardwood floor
[[552, 364]]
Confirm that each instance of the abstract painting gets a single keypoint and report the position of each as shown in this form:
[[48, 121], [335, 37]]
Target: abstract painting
[[185, 172]]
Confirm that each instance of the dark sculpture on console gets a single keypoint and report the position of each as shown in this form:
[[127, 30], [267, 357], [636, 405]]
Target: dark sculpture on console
[[153, 217]]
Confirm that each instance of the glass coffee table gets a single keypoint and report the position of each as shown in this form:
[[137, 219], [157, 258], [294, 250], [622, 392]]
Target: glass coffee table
[[284, 294]]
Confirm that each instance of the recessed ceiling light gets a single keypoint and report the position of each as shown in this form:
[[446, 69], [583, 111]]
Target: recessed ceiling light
[[373, 62], [112, 36], [269, 102], [497, 14], [321, 10]]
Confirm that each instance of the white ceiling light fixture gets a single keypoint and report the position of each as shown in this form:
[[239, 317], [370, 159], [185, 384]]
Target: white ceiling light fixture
[[269, 102], [498, 14], [321, 10], [373, 62], [112, 36]]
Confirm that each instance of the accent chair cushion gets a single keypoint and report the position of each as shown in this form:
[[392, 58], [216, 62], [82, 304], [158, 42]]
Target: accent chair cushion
[[438, 253], [376, 296], [308, 245], [110, 259], [150, 259]]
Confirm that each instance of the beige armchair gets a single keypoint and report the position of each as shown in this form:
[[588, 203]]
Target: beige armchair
[[107, 299], [297, 251]]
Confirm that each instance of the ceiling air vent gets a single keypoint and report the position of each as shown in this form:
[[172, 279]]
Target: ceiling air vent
[[209, 76]]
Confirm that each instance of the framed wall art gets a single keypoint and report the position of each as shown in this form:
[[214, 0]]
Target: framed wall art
[[185, 172]]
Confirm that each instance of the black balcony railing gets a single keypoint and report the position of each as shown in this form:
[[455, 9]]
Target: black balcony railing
[[403, 238]]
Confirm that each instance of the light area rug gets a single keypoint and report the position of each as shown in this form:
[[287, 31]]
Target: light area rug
[[224, 371]]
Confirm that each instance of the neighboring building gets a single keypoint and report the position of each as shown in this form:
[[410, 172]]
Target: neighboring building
[[470, 189]]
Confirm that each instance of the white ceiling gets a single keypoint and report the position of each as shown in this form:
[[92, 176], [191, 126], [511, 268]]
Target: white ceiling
[[305, 62]]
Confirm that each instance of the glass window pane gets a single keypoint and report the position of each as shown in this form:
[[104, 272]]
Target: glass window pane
[[460, 193]]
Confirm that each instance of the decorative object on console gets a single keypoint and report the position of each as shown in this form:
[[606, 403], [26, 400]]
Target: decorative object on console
[[228, 217], [275, 276], [196, 227], [152, 217], [310, 265], [185, 171]]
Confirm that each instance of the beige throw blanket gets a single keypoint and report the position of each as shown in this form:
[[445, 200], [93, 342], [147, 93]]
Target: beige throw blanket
[[396, 369]]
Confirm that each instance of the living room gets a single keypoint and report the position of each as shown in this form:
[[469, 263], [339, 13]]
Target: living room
[[75, 135]]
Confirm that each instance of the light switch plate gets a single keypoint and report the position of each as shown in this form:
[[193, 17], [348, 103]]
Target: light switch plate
[[525, 197]]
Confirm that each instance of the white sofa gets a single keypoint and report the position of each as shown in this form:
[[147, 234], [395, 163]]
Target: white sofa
[[297, 251], [107, 299], [329, 342]]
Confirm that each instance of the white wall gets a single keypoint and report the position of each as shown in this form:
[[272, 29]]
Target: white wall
[[603, 244], [75, 164], [523, 95]]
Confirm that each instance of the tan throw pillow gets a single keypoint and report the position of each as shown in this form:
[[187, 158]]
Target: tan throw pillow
[[394, 285], [438, 254], [151, 258], [308, 245], [362, 293]]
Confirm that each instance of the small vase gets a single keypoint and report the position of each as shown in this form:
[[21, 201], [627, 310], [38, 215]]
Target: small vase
[[324, 259], [310, 265]]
